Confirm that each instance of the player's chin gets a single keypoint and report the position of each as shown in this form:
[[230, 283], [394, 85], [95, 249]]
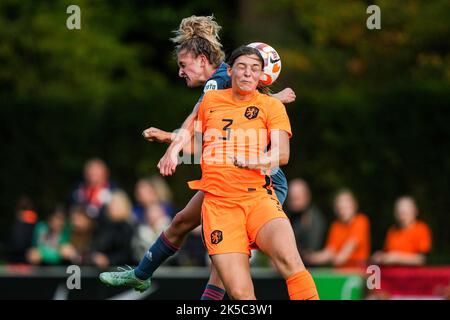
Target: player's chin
[[247, 87], [191, 84]]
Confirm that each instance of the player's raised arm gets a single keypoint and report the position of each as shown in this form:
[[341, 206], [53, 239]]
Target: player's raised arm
[[287, 95], [182, 140], [158, 135]]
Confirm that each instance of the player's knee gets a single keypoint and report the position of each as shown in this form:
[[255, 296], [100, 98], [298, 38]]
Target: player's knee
[[289, 263]]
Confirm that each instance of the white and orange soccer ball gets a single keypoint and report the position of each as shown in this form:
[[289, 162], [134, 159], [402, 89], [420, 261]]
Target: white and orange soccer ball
[[272, 62]]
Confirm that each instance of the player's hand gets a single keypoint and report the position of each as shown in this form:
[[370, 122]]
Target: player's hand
[[158, 135], [239, 162], [286, 95], [242, 163], [168, 163]]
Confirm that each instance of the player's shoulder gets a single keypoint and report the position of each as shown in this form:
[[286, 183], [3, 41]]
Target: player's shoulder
[[218, 80], [271, 102], [218, 93]]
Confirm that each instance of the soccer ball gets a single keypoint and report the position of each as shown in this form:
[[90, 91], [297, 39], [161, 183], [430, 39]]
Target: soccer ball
[[272, 62]]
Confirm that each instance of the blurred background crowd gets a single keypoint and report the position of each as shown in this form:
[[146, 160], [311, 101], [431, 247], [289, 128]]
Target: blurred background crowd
[[101, 225]]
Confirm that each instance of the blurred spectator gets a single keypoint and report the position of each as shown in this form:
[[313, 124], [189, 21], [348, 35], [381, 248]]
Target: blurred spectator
[[112, 242], [156, 220], [307, 220], [348, 242], [151, 193], [21, 236], [95, 190], [409, 241], [48, 238], [79, 250]]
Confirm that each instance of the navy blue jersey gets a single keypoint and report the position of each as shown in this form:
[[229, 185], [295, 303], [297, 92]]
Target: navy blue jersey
[[218, 80], [279, 184], [221, 80]]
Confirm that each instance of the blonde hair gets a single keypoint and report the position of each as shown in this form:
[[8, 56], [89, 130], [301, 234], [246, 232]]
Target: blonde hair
[[200, 35]]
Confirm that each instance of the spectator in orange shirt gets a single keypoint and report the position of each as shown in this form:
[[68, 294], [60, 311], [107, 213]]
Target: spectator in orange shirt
[[348, 242], [407, 242]]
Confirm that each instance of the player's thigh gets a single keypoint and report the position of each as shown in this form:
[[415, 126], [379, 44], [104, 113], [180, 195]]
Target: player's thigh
[[234, 270], [263, 209], [269, 228], [276, 239], [190, 217]]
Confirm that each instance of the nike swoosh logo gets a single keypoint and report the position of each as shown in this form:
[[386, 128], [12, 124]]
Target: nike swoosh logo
[[273, 61], [211, 111]]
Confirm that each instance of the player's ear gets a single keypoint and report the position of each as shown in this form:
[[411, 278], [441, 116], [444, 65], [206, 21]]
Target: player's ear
[[203, 60], [229, 71]]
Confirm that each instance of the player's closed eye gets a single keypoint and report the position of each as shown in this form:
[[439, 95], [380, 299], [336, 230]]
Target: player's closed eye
[[243, 67]]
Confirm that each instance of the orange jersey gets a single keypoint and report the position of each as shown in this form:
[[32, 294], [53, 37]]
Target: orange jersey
[[415, 238], [357, 229], [233, 128]]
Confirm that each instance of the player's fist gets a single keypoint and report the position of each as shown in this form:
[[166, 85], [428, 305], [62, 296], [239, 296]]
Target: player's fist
[[168, 163], [286, 95], [158, 135]]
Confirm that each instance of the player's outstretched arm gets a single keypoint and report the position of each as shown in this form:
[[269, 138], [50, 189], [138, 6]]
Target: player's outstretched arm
[[153, 134], [287, 95], [182, 138]]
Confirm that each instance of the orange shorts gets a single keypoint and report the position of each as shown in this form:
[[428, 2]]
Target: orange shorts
[[231, 224]]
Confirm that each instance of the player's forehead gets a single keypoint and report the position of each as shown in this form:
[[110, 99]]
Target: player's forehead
[[185, 56], [250, 60]]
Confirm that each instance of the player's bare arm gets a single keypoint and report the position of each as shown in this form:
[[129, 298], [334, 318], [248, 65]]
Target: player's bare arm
[[287, 95], [168, 163], [277, 156], [153, 134]]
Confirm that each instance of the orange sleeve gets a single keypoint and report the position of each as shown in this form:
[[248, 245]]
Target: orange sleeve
[[277, 117], [332, 240], [424, 238]]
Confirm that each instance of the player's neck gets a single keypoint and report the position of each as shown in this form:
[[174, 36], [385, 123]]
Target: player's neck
[[209, 71], [243, 96]]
